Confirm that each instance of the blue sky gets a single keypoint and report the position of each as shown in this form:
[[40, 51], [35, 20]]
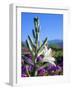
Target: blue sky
[[51, 25]]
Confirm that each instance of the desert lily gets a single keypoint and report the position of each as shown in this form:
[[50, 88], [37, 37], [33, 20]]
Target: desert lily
[[48, 56]]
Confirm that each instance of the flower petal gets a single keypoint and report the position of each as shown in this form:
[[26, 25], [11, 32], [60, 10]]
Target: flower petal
[[48, 52], [49, 59], [52, 63]]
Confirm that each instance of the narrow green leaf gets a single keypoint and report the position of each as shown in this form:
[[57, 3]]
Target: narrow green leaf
[[45, 41], [36, 21], [30, 48], [36, 24], [34, 35], [31, 42], [41, 52]]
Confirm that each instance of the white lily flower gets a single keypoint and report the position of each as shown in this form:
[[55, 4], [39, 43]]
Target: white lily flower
[[48, 56]]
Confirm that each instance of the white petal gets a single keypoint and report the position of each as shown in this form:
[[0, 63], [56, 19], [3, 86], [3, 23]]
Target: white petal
[[52, 63], [45, 48], [45, 60], [49, 61], [51, 58], [49, 52]]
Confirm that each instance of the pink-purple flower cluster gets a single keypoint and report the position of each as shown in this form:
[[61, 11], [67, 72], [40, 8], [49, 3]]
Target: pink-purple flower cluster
[[45, 71]]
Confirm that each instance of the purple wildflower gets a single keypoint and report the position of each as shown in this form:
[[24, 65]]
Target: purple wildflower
[[40, 58], [30, 68], [42, 72], [23, 75], [53, 70], [23, 69], [29, 56]]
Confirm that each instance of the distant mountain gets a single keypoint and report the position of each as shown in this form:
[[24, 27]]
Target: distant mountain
[[51, 43], [57, 43]]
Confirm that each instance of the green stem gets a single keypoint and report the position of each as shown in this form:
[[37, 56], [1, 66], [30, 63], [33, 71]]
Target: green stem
[[27, 71]]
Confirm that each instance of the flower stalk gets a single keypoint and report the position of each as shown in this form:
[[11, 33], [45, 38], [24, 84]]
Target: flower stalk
[[36, 50]]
